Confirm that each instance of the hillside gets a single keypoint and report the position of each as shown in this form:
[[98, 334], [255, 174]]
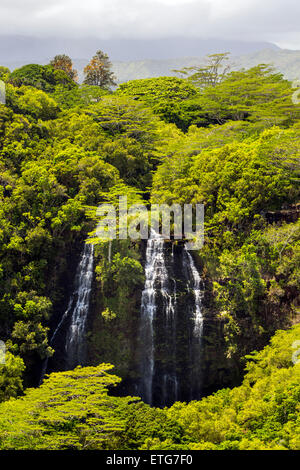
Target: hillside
[[261, 414], [179, 324], [285, 61]]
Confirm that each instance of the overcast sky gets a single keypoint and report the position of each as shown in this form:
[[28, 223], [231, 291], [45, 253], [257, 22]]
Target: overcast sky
[[276, 21]]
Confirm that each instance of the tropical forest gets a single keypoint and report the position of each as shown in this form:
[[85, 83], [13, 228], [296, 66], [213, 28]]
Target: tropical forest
[[138, 343]]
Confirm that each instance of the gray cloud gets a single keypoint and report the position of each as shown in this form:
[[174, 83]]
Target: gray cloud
[[268, 20]]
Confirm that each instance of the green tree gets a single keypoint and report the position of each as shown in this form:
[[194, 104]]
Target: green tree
[[11, 374], [4, 73], [43, 77], [257, 94], [210, 74], [173, 99], [71, 410]]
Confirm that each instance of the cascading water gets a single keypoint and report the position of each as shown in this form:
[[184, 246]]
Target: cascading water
[[170, 332], [75, 341], [78, 308], [156, 284], [198, 293], [171, 323], [195, 343]]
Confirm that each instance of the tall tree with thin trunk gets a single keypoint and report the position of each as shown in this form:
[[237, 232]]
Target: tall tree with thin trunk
[[210, 74], [98, 71]]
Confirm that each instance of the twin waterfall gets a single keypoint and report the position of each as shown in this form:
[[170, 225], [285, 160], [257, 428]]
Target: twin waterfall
[[169, 349], [169, 330]]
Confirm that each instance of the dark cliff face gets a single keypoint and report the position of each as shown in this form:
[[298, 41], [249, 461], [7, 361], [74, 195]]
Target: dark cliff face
[[184, 368], [114, 340], [177, 355], [60, 286], [200, 364], [58, 362]]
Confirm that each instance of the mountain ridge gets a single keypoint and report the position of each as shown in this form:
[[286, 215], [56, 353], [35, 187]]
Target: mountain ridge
[[25, 48], [36, 50]]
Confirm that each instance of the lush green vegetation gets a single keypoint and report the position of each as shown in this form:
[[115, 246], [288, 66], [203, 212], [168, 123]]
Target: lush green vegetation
[[65, 148], [173, 99], [72, 410]]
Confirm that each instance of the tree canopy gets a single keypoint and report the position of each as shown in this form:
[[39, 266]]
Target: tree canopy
[[229, 140]]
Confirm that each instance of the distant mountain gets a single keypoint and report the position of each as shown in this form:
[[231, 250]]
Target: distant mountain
[[21, 49], [133, 59], [285, 61]]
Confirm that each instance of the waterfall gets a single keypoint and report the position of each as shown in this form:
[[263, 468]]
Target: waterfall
[[75, 340], [198, 292], [156, 283], [195, 345], [78, 308], [171, 325]]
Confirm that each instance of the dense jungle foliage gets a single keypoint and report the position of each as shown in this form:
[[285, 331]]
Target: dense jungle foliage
[[72, 410], [64, 149]]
